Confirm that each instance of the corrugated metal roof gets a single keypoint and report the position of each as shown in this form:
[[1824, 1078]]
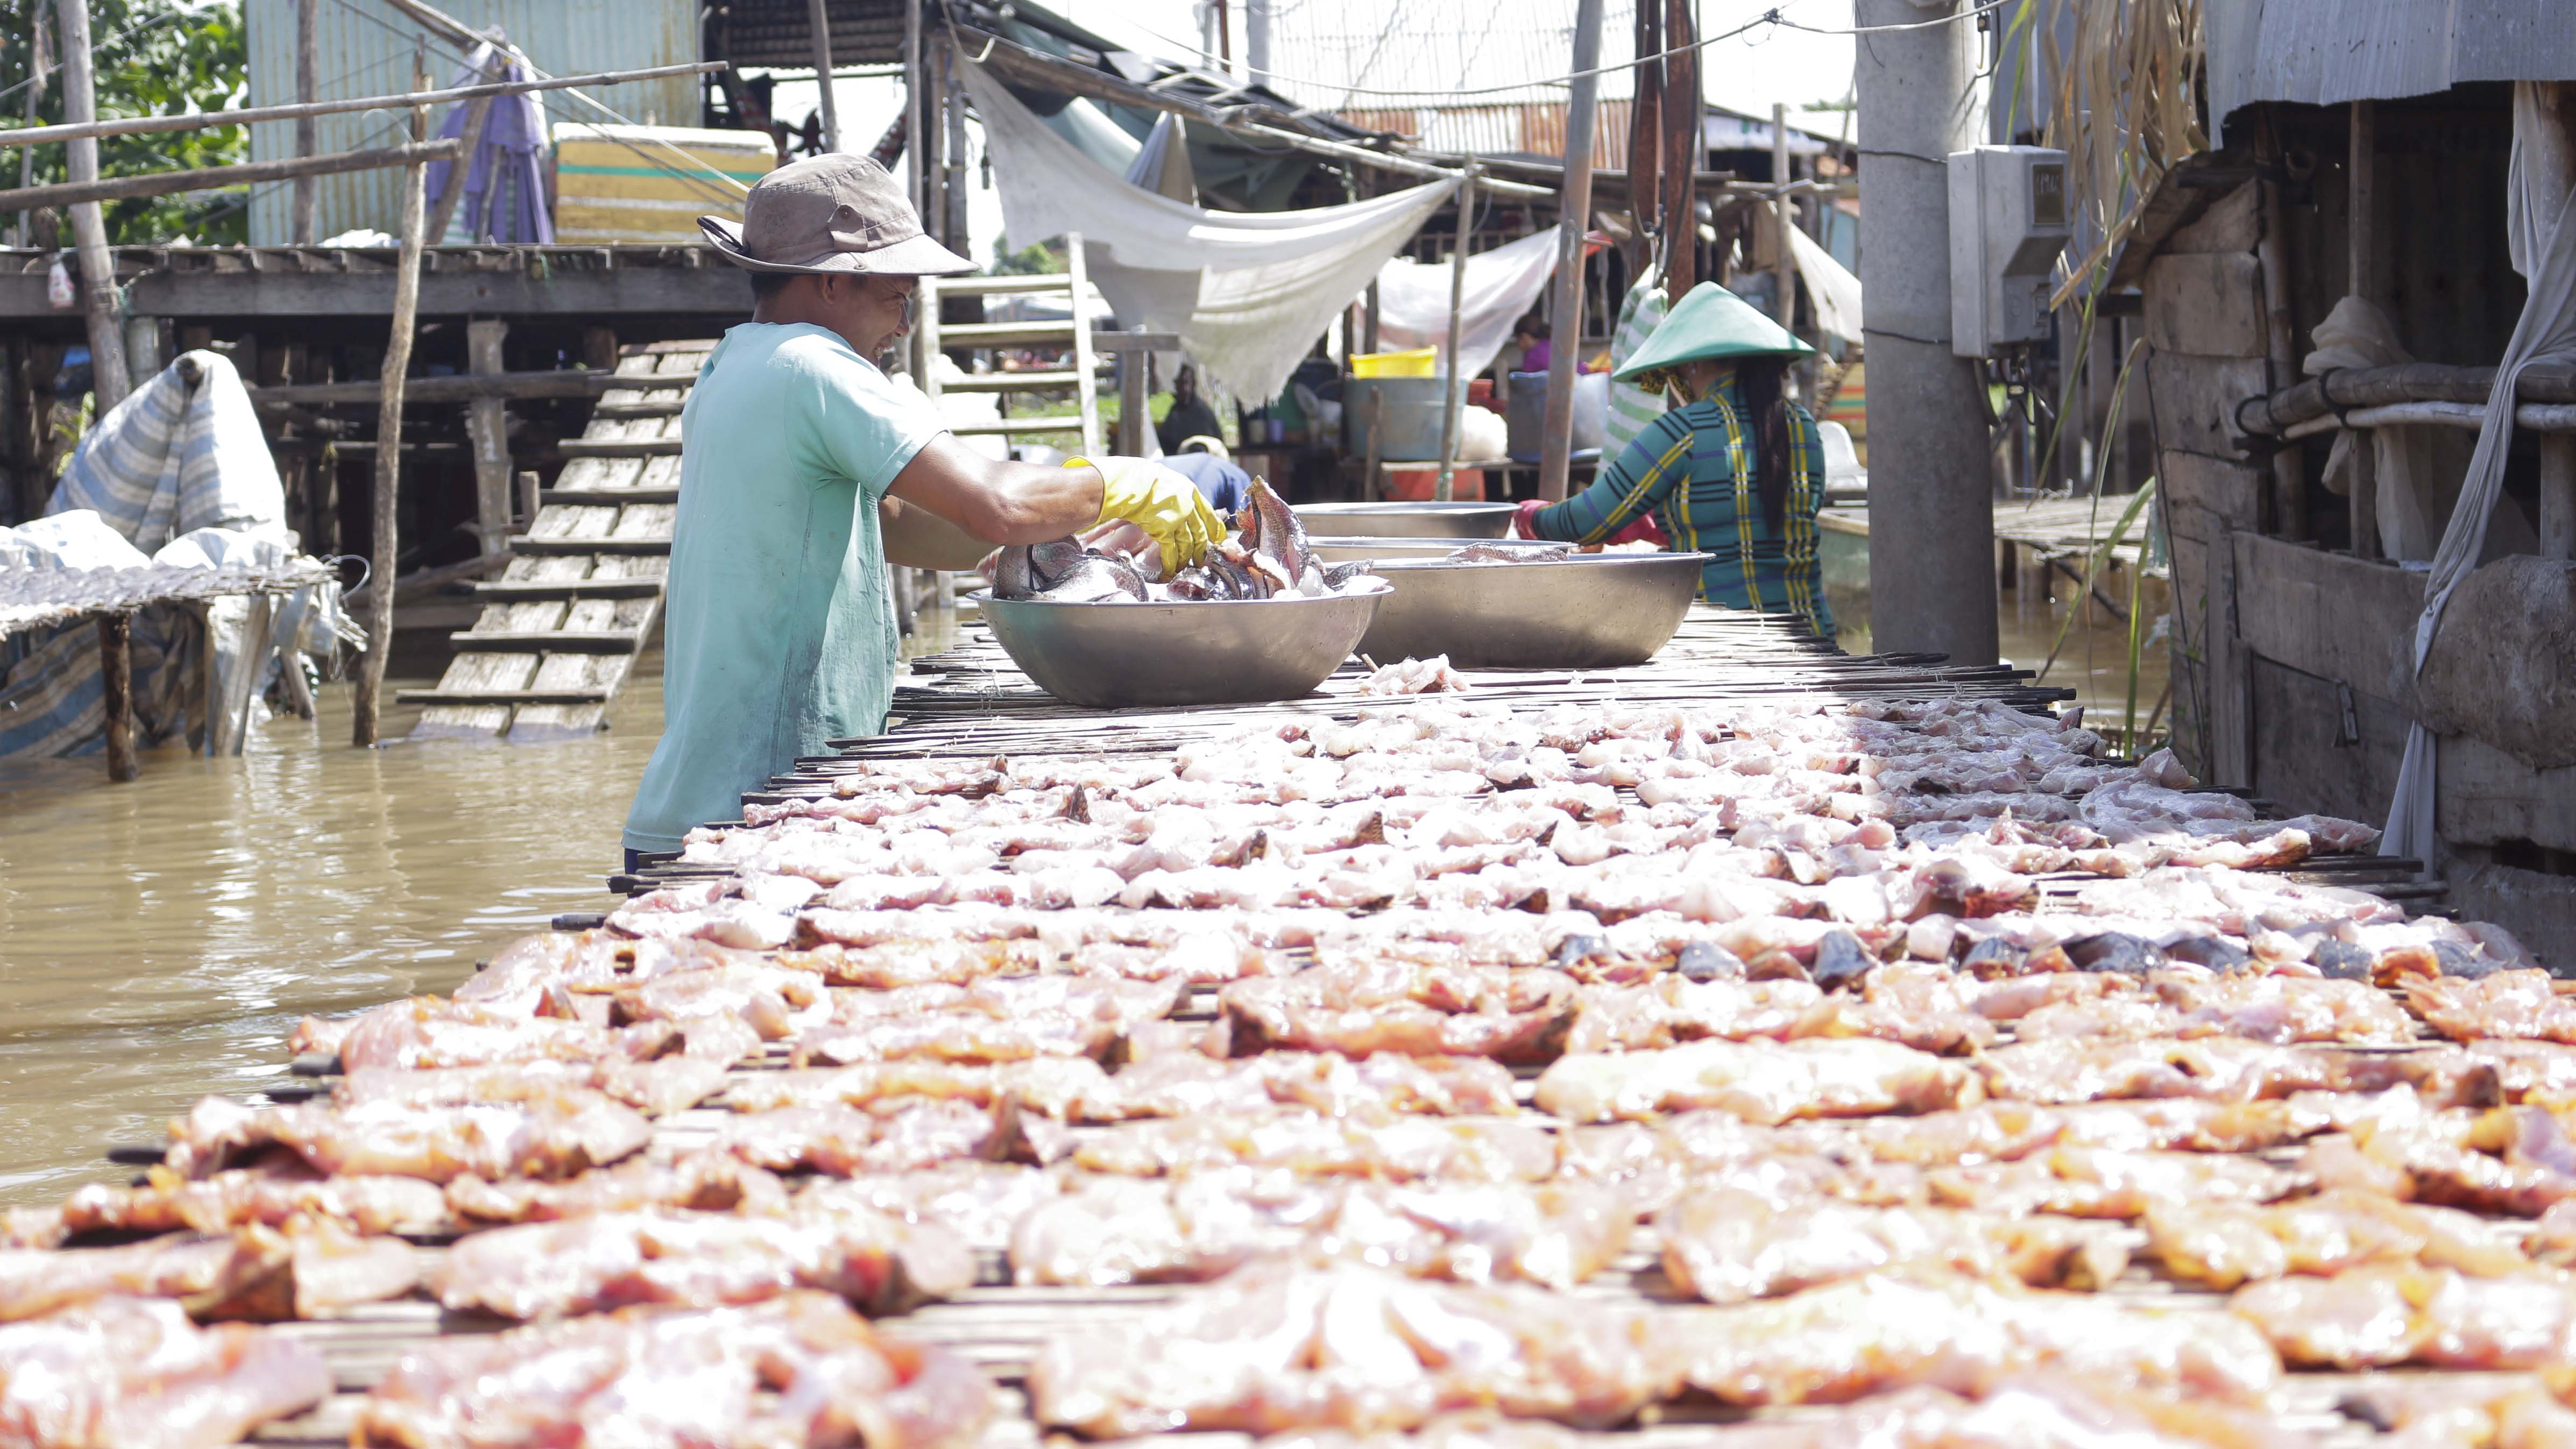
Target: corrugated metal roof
[[781, 33], [2323, 52], [366, 49]]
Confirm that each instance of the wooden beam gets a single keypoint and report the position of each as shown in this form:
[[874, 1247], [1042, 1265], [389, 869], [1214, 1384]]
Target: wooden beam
[[101, 302], [1456, 398], [79, 192], [2558, 495], [465, 388], [389, 420], [250, 115], [307, 207], [116, 670]]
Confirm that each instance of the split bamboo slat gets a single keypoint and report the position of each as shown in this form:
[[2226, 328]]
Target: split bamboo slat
[[562, 627]]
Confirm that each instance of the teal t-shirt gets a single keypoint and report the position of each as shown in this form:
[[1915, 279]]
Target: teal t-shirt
[[779, 633]]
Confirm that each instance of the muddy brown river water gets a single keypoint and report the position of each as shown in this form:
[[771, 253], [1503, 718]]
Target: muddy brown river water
[[159, 939]]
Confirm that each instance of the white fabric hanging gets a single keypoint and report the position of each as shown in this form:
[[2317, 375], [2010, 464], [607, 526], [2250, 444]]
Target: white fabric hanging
[[1501, 286], [1830, 285], [1248, 292], [2546, 330], [1162, 165]]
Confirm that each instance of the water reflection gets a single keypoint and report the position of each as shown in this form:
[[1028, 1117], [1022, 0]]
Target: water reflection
[[159, 939]]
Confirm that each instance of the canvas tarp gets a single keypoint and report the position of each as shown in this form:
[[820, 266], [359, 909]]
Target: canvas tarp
[[1501, 285], [1248, 292], [2546, 330], [177, 474]]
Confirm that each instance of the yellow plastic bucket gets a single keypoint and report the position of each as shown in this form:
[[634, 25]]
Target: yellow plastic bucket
[[1413, 362]]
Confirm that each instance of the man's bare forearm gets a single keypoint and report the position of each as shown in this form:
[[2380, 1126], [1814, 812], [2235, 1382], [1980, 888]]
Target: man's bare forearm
[[996, 501]]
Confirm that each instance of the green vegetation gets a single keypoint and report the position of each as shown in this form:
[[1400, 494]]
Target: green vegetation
[[1047, 258], [152, 57]]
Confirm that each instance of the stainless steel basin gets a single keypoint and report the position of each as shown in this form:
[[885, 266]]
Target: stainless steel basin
[[1228, 651], [1592, 611], [1333, 549], [1408, 520]]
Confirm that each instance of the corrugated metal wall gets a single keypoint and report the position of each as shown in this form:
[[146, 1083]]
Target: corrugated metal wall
[[366, 49]]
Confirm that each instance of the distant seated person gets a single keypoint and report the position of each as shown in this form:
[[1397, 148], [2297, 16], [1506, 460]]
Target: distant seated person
[[1735, 471], [1222, 484], [1190, 416], [1530, 335]]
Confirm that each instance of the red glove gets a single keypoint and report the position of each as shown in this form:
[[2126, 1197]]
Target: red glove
[[1525, 519], [1644, 530]]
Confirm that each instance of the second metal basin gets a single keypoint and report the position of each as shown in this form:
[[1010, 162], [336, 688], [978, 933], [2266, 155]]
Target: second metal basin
[[1592, 611], [1408, 520], [1231, 651]]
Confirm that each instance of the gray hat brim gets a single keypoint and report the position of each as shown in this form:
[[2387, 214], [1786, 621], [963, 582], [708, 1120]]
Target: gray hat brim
[[919, 256]]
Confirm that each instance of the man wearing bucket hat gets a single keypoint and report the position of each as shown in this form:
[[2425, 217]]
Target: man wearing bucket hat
[[800, 461], [1735, 472]]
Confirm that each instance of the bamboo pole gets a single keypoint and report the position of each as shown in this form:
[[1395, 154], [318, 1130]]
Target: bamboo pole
[[1574, 215], [308, 134], [819, 13], [79, 193], [37, 66], [250, 115], [99, 295], [1457, 391], [380, 622], [1784, 267], [116, 670]]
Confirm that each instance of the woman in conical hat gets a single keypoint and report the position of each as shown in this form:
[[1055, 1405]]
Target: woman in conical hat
[[1735, 471]]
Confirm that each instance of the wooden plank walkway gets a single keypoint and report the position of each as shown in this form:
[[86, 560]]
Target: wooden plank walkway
[[563, 625], [2046, 528]]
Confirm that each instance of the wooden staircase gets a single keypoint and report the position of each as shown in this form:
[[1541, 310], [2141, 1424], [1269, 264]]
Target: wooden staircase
[[562, 626]]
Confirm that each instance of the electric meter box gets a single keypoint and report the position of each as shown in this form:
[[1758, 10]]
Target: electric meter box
[[2008, 222]]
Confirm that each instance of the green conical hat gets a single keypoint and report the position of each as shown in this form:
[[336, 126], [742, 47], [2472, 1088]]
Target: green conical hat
[[1710, 321]]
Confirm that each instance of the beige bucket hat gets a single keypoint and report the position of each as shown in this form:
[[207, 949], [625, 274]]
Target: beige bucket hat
[[836, 213]]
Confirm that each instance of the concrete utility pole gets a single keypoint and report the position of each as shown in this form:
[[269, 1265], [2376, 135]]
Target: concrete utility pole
[[106, 308], [1574, 216], [1931, 507], [1784, 216], [1256, 41]]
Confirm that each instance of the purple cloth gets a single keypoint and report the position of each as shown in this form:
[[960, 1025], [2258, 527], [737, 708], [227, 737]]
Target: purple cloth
[[508, 166], [1535, 360]]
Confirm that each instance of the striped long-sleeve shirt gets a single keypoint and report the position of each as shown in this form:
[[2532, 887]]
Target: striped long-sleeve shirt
[[1693, 469]]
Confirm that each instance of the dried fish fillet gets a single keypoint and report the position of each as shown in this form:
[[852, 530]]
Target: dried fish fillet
[[2384, 1314], [1278, 1347], [1730, 1245], [1759, 1081], [553, 1136], [1120, 1230], [2228, 1244], [702, 1260], [801, 1370], [126, 1371]]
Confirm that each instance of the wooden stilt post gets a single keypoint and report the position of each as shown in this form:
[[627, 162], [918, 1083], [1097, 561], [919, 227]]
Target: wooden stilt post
[[39, 62], [115, 662], [389, 405], [1685, 147], [1574, 216], [819, 12], [1457, 394], [307, 205], [89, 228], [487, 425]]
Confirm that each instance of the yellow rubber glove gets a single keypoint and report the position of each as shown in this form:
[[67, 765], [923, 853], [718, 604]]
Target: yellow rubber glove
[[1168, 506]]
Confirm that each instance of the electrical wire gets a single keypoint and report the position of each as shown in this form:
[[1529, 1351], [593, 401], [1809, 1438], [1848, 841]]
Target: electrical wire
[[1771, 17]]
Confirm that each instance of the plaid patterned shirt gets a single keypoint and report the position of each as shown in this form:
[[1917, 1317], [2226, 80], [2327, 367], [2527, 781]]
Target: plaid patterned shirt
[[1693, 469]]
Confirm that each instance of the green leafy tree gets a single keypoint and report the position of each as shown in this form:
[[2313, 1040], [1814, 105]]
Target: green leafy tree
[[150, 57]]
